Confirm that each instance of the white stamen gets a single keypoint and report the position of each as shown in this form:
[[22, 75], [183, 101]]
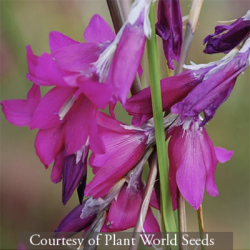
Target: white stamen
[[104, 61], [82, 151], [229, 21], [66, 107]]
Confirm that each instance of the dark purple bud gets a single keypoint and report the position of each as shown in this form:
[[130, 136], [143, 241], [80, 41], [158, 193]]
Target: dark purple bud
[[73, 223], [74, 173], [227, 37], [169, 28]]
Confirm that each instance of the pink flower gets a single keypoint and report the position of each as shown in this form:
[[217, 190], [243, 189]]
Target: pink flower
[[126, 143], [193, 160]]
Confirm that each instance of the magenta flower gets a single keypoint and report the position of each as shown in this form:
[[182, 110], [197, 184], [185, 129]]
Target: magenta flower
[[227, 37], [173, 89], [216, 86], [126, 143], [70, 59], [169, 28], [193, 160]]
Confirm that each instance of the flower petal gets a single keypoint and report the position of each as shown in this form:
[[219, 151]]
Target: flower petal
[[20, 112], [78, 57], [48, 144], [126, 61], [98, 31], [47, 113], [124, 211], [151, 225], [223, 155], [99, 94], [209, 158], [43, 70], [58, 40], [56, 174], [78, 127]]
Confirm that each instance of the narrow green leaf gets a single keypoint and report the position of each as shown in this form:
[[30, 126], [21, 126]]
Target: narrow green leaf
[[167, 212]]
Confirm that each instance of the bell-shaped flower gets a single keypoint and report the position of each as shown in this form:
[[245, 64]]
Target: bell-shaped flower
[[216, 86], [193, 160], [173, 89], [169, 28], [125, 143], [227, 37]]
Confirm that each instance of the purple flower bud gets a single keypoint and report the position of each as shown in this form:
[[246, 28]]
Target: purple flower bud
[[227, 37], [74, 171], [73, 223]]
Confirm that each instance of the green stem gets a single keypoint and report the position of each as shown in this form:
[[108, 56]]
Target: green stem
[[166, 201]]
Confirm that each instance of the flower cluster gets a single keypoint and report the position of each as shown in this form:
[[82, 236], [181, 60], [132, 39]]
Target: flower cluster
[[89, 76]]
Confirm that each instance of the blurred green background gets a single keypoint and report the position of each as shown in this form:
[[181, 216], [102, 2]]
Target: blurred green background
[[29, 200]]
